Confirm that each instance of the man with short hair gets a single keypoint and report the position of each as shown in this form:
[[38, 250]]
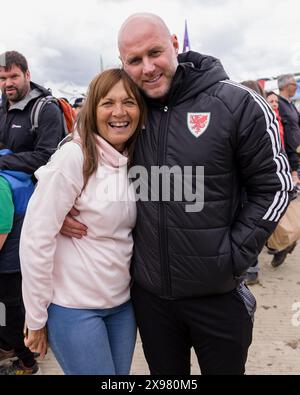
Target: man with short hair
[[31, 149], [290, 117], [27, 151], [188, 266]]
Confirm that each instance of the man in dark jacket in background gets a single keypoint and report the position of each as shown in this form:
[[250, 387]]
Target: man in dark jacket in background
[[290, 117], [31, 149], [28, 150], [189, 258]]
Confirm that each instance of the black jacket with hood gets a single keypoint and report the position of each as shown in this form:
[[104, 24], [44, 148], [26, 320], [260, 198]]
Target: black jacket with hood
[[30, 149], [180, 254]]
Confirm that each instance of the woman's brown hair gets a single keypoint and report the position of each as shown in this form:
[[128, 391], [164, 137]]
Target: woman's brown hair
[[87, 120]]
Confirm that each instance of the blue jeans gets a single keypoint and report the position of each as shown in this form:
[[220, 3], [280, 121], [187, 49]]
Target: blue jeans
[[92, 342]]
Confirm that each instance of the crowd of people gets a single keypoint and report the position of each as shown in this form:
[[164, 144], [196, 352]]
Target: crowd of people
[[288, 119], [81, 269]]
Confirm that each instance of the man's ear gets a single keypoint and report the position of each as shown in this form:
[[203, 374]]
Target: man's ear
[[175, 42], [28, 75], [121, 61]]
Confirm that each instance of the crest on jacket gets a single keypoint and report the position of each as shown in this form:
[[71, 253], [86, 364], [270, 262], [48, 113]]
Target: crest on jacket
[[198, 122]]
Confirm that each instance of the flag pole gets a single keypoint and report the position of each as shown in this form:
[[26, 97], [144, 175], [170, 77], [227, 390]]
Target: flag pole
[[186, 40]]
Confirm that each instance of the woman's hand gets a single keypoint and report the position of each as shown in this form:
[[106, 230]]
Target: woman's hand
[[36, 341]]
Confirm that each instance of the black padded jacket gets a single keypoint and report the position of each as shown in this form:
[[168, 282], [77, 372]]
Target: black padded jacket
[[31, 150], [228, 130]]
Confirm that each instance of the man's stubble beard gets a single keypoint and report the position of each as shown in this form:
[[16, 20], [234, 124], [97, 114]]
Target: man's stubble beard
[[19, 95]]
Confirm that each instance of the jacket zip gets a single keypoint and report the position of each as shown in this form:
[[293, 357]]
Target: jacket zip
[[163, 237]]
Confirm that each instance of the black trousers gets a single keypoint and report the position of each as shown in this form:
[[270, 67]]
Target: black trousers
[[11, 335], [219, 328]]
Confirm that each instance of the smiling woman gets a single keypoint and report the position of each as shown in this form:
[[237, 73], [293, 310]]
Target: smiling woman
[[115, 110], [118, 116]]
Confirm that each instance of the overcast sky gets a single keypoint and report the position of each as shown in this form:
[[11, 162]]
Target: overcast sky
[[64, 39]]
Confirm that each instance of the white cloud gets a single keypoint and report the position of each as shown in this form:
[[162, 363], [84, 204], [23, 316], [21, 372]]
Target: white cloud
[[63, 39]]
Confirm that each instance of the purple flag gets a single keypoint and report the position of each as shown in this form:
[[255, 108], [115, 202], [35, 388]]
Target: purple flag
[[186, 40]]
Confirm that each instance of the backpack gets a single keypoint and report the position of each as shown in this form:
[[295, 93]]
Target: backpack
[[66, 110]]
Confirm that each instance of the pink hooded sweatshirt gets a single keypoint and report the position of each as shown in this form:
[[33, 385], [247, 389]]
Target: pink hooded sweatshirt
[[90, 273]]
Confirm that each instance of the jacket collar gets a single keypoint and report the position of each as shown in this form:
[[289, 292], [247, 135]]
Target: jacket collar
[[109, 155], [35, 92], [195, 74], [20, 105]]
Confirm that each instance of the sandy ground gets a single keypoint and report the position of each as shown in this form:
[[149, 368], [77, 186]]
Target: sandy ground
[[276, 340]]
